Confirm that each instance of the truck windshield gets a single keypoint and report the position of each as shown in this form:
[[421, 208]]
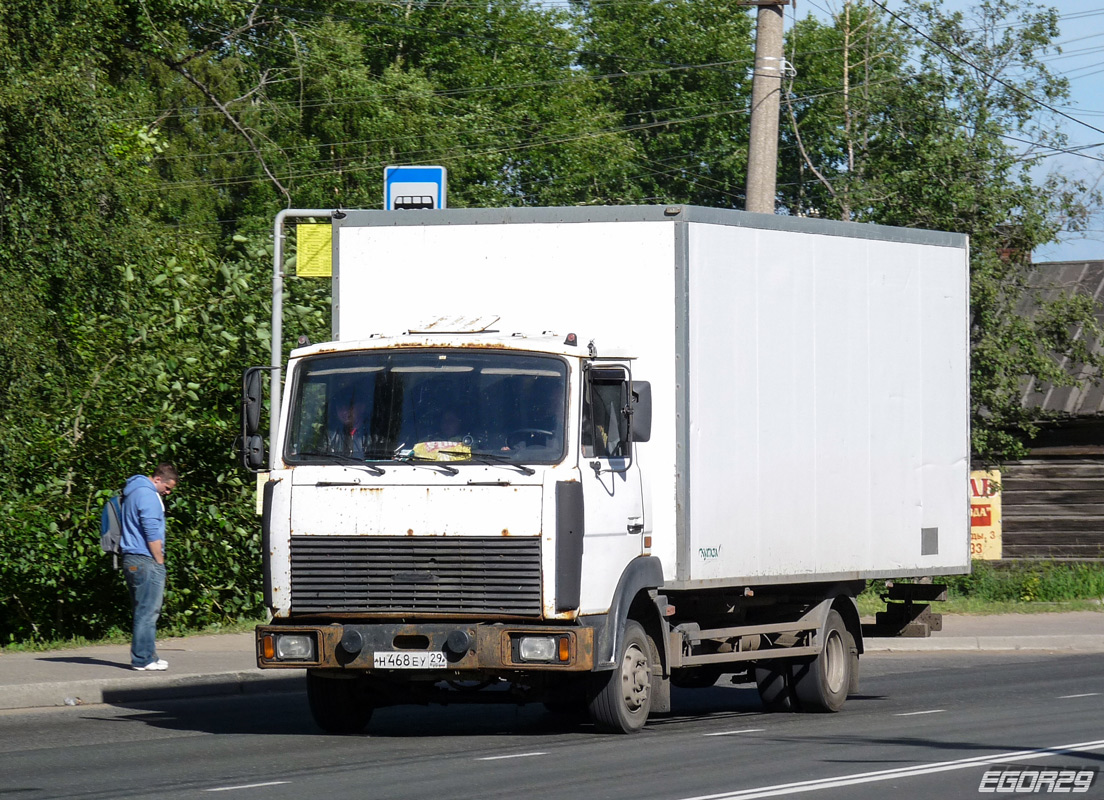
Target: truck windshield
[[450, 405]]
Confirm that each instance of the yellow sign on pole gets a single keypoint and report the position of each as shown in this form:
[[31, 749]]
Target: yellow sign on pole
[[985, 515], [315, 251]]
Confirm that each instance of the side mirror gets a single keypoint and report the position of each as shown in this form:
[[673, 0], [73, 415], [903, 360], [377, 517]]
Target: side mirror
[[642, 411], [252, 400], [253, 447], [254, 453]]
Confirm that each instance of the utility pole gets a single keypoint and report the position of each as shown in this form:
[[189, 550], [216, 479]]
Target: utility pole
[[766, 93]]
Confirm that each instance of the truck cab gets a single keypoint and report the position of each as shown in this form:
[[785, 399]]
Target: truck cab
[[434, 499]]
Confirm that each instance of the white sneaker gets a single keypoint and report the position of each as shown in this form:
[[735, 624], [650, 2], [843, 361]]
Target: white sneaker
[[153, 666]]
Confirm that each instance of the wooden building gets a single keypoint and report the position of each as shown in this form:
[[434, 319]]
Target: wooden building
[[1053, 501]]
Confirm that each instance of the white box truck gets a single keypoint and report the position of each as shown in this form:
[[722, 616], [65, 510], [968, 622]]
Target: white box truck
[[576, 455]]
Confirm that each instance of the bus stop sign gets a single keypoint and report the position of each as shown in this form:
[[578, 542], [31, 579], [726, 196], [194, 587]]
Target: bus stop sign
[[414, 187]]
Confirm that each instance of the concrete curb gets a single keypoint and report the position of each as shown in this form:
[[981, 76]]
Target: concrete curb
[[1081, 643], [121, 691]]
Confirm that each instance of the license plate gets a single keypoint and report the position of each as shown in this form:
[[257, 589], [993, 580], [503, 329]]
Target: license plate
[[402, 659]]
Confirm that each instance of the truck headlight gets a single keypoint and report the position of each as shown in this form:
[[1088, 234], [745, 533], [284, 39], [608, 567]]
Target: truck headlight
[[295, 647], [537, 648]]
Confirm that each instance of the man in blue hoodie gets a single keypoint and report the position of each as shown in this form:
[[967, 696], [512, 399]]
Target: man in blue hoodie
[[143, 547]]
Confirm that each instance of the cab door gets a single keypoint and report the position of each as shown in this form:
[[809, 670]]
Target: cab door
[[613, 504]]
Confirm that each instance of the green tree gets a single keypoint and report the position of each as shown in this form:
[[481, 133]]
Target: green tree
[[526, 127], [121, 338], [835, 107], [678, 73], [314, 105]]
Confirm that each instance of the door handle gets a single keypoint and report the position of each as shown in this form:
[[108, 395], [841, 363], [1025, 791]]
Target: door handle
[[636, 524]]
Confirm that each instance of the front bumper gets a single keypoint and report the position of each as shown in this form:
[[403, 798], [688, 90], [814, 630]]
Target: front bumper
[[481, 647]]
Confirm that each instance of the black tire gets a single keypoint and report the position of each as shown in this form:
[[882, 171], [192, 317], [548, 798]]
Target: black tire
[[696, 677], [822, 684], [774, 680], [853, 687], [622, 698], [338, 705]]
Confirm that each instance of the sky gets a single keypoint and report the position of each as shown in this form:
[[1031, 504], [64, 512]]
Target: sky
[[1081, 62]]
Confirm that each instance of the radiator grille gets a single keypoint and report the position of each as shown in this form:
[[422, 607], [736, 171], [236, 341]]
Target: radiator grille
[[403, 574]]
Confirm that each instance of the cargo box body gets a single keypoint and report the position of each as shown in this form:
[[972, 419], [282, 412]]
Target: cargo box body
[[810, 416]]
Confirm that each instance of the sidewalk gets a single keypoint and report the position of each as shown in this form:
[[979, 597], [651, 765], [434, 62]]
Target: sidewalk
[[199, 666], [1071, 631], [226, 663]]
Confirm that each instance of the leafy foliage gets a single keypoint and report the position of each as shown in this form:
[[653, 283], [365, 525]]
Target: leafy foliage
[[1042, 581], [679, 75]]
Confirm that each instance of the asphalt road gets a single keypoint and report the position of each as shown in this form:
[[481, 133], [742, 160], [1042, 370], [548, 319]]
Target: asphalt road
[[923, 726]]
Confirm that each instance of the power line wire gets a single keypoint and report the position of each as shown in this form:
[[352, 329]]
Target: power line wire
[[577, 79], [448, 155], [987, 74]]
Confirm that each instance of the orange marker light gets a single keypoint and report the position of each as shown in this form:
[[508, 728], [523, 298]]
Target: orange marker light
[[268, 643], [565, 648]]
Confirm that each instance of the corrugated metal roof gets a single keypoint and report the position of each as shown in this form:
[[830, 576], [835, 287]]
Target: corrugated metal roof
[[1052, 280]]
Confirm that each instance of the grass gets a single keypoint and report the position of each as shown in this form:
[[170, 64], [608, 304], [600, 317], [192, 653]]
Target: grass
[[1028, 587], [119, 636], [869, 604]]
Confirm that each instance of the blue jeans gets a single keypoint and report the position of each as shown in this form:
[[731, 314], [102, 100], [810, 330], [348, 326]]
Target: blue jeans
[[146, 580]]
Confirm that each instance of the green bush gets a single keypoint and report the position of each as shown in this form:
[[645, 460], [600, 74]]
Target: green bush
[[1031, 581], [152, 378], [56, 583], [1023, 582]]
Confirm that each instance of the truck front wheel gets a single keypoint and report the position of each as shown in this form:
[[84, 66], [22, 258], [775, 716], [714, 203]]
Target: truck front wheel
[[622, 697], [338, 705]]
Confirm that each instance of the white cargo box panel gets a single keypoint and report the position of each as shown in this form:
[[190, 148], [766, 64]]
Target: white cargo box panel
[[829, 376], [809, 378]]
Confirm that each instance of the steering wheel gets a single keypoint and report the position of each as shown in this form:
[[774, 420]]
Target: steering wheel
[[527, 435]]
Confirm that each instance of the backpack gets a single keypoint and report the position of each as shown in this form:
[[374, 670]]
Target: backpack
[[111, 528]]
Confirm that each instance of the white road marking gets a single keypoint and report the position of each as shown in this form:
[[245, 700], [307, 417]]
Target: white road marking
[[514, 755], [246, 786], [901, 772], [918, 713], [1072, 696], [733, 733]]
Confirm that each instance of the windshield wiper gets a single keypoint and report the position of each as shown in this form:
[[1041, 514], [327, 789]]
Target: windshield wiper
[[500, 460], [421, 461], [338, 458]]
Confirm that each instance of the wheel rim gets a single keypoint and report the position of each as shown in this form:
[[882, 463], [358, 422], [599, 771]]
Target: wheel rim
[[835, 663], [636, 679]]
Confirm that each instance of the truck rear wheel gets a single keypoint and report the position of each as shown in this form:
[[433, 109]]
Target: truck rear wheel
[[622, 697], [820, 684], [338, 705], [823, 683]]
